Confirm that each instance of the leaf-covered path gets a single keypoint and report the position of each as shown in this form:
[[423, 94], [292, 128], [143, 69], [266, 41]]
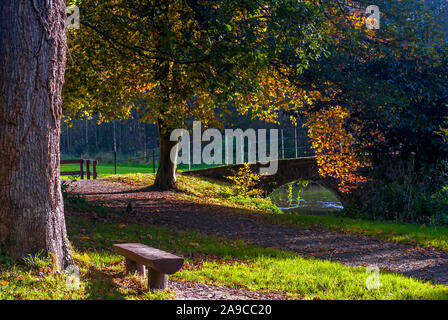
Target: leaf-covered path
[[186, 290], [166, 209]]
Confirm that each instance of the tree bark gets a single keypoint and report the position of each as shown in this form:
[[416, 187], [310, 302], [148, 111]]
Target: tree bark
[[32, 66], [166, 172]]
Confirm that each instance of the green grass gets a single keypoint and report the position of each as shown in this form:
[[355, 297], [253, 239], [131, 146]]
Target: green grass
[[217, 261], [107, 169], [238, 265], [33, 278]]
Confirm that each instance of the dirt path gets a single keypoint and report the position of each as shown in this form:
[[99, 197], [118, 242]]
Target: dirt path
[[186, 290], [164, 209]]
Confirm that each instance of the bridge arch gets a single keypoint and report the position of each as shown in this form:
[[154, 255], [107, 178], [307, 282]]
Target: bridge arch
[[289, 170]]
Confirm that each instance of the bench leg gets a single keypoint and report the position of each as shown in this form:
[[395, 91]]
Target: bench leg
[[132, 267], [157, 280]]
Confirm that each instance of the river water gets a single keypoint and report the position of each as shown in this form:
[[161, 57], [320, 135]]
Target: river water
[[305, 199]]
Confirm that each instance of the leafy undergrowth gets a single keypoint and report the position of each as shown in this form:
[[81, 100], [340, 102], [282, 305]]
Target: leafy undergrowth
[[209, 259], [423, 235], [33, 278]]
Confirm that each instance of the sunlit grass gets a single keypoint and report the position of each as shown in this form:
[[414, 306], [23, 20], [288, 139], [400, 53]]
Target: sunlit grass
[[236, 264], [424, 235], [101, 276], [34, 278], [216, 261], [204, 191], [108, 169], [311, 279]]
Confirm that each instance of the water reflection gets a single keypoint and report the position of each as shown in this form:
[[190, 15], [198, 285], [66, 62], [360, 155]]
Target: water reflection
[[312, 199]]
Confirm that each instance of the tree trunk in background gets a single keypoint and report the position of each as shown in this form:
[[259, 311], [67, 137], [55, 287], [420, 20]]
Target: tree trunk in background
[[97, 129], [145, 142], [68, 138], [32, 66], [166, 172], [86, 149]]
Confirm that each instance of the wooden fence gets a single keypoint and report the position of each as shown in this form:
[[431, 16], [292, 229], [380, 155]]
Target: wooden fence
[[82, 172]]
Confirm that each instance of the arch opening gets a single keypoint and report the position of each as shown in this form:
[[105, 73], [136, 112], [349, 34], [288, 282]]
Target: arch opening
[[306, 198]]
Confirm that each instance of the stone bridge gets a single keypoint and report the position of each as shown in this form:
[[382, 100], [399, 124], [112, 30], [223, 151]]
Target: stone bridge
[[289, 170]]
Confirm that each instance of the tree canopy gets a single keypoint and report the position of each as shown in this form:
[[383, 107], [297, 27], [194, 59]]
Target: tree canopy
[[182, 57], [379, 94], [185, 59], [366, 93]]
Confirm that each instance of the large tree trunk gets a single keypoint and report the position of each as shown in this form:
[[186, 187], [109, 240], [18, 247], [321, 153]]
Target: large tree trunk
[[32, 66], [166, 173]]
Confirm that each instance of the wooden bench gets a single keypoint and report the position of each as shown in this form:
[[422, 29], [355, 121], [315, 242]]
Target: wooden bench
[[159, 263]]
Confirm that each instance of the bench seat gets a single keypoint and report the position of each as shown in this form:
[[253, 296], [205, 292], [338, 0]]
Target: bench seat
[[160, 263]]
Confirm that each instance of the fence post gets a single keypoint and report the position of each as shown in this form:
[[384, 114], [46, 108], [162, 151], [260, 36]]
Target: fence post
[[88, 169], [115, 148], [153, 161], [295, 137], [82, 168], [283, 145], [190, 150]]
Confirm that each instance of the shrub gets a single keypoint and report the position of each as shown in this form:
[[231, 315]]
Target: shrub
[[245, 181], [406, 203]]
